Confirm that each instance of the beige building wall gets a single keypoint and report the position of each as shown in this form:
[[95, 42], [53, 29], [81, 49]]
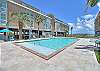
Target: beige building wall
[[52, 22], [61, 27], [13, 8], [54, 25]]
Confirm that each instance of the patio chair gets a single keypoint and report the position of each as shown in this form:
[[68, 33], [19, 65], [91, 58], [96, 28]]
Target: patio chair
[[97, 43], [11, 38]]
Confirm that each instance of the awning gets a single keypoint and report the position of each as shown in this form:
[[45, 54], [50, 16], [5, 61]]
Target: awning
[[5, 30]]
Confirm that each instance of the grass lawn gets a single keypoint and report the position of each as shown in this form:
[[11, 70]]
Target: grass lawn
[[98, 55]]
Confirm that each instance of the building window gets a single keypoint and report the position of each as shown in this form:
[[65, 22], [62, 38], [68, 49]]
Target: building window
[[3, 11], [47, 24], [58, 26]]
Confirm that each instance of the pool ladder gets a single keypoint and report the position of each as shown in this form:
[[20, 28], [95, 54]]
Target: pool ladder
[[36, 43]]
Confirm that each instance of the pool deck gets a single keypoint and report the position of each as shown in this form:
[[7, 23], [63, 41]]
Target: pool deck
[[70, 59]]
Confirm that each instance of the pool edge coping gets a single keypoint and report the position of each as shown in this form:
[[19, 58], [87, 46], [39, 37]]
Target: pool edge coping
[[44, 56]]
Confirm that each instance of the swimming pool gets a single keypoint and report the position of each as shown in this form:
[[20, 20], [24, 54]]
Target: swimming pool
[[46, 48]]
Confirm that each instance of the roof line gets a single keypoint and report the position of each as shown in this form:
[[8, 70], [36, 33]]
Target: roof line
[[61, 21]]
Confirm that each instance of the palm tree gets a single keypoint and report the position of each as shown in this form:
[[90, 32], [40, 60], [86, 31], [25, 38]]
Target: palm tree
[[30, 23], [21, 18], [90, 3], [39, 19], [66, 31]]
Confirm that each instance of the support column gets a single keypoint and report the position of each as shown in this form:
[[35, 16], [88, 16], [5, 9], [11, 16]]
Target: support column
[[56, 34]]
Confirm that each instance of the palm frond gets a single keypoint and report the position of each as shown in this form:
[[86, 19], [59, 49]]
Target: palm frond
[[92, 3], [20, 16], [39, 18]]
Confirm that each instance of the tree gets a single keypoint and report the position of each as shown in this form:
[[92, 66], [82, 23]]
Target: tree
[[30, 23], [39, 19], [66, 30], [90, 3], [21, 18]]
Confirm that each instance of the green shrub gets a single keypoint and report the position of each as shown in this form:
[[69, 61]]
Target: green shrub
[[98, 55]]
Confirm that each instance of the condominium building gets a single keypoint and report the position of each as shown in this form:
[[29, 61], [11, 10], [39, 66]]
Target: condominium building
[[60, 27], [97, 24], [50, 26]]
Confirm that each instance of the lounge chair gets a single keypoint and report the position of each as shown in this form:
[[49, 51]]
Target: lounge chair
[[92, 40], [89, 47]]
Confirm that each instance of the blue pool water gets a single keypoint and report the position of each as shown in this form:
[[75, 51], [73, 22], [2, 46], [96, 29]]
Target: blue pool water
[[47, 46], [54, 43]]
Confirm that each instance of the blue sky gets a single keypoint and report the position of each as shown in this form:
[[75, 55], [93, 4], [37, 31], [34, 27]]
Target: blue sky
[[66, 10]]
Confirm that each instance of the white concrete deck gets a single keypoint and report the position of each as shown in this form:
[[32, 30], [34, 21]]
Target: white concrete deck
[[14, 58]]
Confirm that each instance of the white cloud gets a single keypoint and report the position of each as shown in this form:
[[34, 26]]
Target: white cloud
[[88, 16], [79, 27], [78, 19], [98, 4], [90, 26], [78, 23], [71, 24], [85, 24]]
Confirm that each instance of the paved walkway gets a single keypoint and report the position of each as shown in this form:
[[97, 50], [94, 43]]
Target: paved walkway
[[14, 58]]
